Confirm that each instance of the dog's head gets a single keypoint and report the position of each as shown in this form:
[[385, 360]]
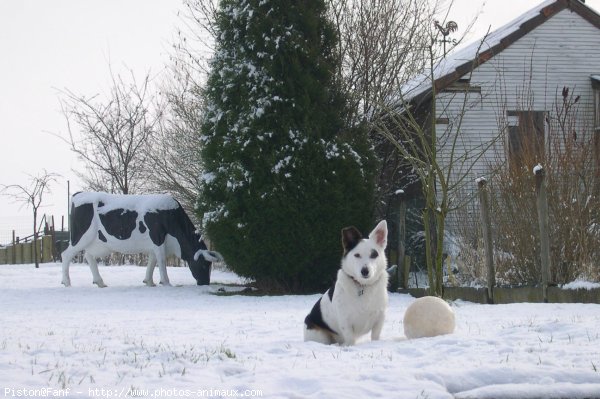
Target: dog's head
[[364, 258]]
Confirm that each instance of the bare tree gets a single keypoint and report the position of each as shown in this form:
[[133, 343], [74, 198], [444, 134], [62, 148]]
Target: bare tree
[[32, 195], [174, 147], [383, 43], [114, 134], [195, 44], [175, 150], [439, 164]]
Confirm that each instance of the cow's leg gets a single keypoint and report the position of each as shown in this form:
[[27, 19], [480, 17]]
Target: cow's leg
[[91, 260], [149, 280], [161, 258], [67, 256]]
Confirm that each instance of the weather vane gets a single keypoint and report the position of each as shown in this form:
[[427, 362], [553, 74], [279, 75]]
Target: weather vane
[[451, 26]]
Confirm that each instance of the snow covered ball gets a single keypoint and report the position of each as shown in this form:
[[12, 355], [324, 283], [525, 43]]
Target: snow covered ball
[[428, 316]]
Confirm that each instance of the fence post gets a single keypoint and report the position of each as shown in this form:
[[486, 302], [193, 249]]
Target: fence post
[[27, 256], [48, 248], [13, 258], [542, 209], [487, 236], [10, 255], [401, 248], [19, 253]]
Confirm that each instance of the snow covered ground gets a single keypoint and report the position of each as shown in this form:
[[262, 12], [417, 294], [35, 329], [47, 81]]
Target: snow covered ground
[[129, 339]]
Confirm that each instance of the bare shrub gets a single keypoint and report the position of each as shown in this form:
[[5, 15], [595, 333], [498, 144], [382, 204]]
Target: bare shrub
[[465, 245], [573, 186]]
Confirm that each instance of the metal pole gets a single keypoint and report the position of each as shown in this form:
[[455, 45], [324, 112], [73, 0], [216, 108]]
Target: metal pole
[[69, 205]]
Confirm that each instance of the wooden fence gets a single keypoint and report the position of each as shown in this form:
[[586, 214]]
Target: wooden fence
[[542, 210], [544, 291], [22, 252], [50, 248]]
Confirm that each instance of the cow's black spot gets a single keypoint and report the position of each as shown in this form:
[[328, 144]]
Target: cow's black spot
[[101, 236], [158, 224], [314, 320], [100, 204], [119, 223], [176, 223], [81, 219], [142, 227]]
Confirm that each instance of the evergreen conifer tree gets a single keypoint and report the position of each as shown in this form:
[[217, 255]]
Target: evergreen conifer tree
[[283, 175]]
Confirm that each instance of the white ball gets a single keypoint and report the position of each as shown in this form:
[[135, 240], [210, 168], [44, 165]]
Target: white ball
[[428, 316]]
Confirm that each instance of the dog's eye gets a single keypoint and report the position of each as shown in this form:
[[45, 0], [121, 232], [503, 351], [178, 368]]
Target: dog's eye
[[374, 254], [357, 255]]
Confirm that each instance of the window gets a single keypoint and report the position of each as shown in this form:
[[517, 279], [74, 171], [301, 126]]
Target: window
[[526, 138]]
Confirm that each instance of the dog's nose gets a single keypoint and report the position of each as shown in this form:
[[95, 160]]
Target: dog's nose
[[365, 272]]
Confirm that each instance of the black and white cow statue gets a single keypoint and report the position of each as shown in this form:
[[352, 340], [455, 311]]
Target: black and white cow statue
[[156, 225]]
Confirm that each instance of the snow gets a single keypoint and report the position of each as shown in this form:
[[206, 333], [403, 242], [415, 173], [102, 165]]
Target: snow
[[581, 285], [183, 339], [208, 177], [142, 203]]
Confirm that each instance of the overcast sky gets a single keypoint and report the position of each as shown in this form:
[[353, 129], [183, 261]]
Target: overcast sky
[[52, 45]]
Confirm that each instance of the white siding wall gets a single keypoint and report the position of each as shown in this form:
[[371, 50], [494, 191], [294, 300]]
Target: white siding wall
[[563, 51]]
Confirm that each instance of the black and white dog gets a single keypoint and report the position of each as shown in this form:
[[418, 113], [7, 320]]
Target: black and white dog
[[357, 301]]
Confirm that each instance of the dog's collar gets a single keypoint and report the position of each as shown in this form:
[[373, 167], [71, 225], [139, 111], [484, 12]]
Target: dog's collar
[[360, 287]]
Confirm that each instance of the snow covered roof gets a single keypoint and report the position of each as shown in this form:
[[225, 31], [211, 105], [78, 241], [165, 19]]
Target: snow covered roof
[[460, 62]]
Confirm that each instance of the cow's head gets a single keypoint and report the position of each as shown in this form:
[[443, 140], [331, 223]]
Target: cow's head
[[201, 264]]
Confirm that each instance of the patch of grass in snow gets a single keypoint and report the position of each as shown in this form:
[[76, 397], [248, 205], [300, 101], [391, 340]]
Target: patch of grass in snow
[[74, 361], [228, 353], [192, 353]]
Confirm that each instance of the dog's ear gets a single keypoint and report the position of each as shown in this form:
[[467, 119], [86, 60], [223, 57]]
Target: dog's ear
[[350, 238], [379, 234]]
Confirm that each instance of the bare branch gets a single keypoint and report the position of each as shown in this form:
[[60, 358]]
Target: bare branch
[[115, 134]]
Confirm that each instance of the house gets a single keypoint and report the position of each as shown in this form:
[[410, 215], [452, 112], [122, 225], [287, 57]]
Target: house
[[505, 90], [502, 95], [514, 77]]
